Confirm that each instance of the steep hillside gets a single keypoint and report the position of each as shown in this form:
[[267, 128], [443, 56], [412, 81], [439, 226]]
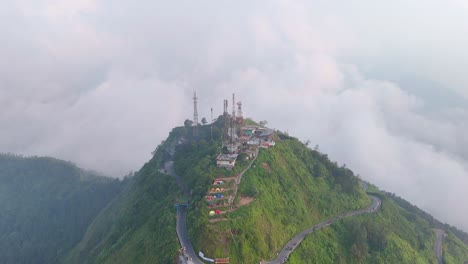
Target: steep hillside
[[46, 206], [284, 190], [139, 225], [293, 188]]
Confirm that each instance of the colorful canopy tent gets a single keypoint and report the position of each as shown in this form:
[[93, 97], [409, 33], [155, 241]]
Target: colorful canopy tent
[[217, 212], [224, 260], [212, 213]]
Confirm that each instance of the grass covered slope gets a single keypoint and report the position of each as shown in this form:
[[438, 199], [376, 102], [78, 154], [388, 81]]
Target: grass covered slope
[[392, 235], [454, 250], [45, 207], [294, 187], [138, 226]]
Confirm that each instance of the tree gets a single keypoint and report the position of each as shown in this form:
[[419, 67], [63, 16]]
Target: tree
[[263, 123], [204, 122], [188, 123], [376, 235]]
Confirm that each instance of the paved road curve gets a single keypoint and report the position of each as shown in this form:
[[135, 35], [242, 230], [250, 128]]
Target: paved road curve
[[181, 224], [296, 240], [440, 235], [183, 236]]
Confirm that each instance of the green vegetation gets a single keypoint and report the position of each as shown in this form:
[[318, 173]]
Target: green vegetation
[[46, 206], [393, 235], [454, 250], [429, 218], [139, 225], [53, 212], [294, 187]]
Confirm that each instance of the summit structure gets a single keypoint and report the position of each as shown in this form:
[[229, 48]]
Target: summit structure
[[195, 110]]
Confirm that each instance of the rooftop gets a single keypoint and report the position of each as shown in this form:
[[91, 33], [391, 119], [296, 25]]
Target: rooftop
[[227, 157], [267, 133]]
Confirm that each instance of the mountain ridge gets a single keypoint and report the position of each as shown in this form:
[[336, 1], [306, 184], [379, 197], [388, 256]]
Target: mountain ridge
[[289, 188], [46, 205], [194, 162]]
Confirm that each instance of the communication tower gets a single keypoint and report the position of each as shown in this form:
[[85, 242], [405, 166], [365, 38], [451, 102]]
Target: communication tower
[[233, 106], [195, 115], [211, 126], [195, 110], [240, 117]]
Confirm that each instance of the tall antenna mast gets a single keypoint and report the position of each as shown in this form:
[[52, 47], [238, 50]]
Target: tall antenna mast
[[239, 110], [225, 117], [195, 110], [211, 126], [195, 114], [233, 117], [233, 105], [225, 107], [240, 117]]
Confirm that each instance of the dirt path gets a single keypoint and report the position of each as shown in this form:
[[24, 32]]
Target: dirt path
[[244, 200], [215, 220], [239, 179], [226, 179]]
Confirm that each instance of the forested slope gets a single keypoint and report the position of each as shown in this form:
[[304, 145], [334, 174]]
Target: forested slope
[[45, 207], [139, 225]]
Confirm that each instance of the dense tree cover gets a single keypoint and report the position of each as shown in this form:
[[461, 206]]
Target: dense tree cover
[[46, 206], [139, 225], [434, 222]]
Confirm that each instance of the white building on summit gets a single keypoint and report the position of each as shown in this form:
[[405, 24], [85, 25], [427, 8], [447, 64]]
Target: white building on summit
[[227, 161]]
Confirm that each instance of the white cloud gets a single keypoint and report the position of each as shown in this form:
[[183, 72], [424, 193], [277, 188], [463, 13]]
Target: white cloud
[[102, 83]]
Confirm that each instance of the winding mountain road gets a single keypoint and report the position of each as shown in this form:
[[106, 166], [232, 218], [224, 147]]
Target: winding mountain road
[[440, 235], [187, 248], [192, 258], [181, 224], [297, 239]]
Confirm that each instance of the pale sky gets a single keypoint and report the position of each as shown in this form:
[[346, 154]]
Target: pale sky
[[380, 86]]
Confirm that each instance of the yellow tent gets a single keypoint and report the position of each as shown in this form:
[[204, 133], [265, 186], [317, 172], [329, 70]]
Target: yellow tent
[[212, 213]]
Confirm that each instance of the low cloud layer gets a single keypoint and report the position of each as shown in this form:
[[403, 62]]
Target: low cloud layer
[[101, 83]]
